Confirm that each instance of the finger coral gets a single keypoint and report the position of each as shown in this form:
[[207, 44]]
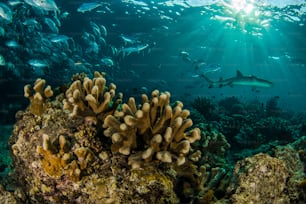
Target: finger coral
[[59, 160], [155, 128], [91, 97], [37, 99]]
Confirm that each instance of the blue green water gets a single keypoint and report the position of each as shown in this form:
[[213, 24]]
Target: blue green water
[[172, 46], [262, 38]]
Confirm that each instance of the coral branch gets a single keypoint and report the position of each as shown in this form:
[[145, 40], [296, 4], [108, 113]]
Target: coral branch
[[38, 99], [160, 129]]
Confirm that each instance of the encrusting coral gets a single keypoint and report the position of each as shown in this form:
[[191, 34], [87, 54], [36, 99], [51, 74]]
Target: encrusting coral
[[38, 99], [155, 128], [59, 161], [261, 179]]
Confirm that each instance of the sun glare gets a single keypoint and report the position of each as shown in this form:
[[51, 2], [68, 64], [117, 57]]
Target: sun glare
[[242, 6], [244, 15]]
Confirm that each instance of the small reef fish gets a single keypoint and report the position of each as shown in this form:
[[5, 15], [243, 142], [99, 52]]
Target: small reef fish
[[199, 65], [5, 12], [95, 28], [239, 80], [59, 38], [274, 57], [103, 30], [2, 32], [38, 63], [210, 68], [2, 61], [129, 39], [128, 50], [12, 44], [85, 7], [47, 5], [185, 56], [65, 14], [51, 25], [30, 22], [14, 2], [107, 62]]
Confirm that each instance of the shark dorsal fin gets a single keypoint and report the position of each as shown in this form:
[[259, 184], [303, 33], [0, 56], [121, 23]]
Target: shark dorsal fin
[[238, 73]]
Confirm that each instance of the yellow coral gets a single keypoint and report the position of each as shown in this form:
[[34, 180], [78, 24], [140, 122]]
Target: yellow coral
[[51, 163], [37, 99], [58, 160], [84, 155], [207, 198]]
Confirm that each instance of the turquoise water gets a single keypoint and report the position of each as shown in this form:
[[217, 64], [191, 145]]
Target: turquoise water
[[262, 38]]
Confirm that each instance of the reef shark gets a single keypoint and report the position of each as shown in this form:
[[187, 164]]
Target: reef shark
[[238, 80]]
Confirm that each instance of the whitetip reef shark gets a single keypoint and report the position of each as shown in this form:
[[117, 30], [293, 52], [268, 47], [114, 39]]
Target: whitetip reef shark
[[238, 80]]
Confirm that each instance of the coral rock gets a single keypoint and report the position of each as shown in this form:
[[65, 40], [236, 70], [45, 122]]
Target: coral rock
[[261, 179]]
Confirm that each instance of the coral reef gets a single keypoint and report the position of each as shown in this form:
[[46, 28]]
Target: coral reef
[[209, 174], [206, 107], [260, 179], [213, 146], [266, 179], [228, 103], [272, 108], [7, 197], [295, 169], [5, 159], [266, 130], [86, 147]]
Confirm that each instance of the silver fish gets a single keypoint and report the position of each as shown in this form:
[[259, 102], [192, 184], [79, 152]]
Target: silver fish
[[14, 2], [95, 29], [88, 6], [5, 12], [50, 23], [65, 14], [47, 5], [30, 22], [103, 30], [128, 50], [12, 43], [2, 32], [38, 63], [59, 38], [2, 61], [107, 62]]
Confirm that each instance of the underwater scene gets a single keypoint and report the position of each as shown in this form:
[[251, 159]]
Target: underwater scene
[[157, 101]]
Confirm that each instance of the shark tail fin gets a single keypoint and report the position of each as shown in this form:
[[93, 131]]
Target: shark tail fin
[[211, 83], [206, 78]]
